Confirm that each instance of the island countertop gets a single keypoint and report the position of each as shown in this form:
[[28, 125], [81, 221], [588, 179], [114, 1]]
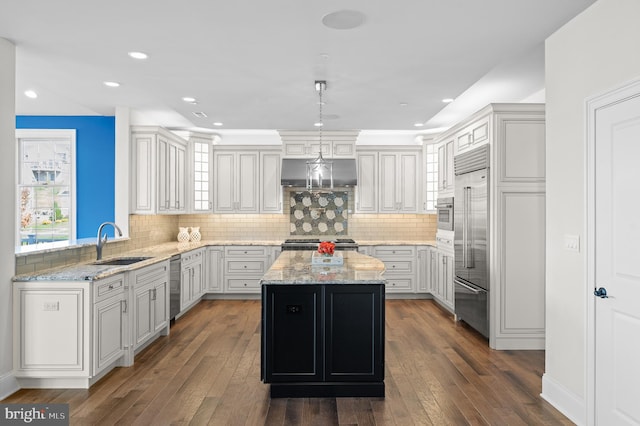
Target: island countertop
[[294, 267]]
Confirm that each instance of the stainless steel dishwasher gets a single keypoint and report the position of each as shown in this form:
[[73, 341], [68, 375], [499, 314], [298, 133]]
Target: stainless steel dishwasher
[[174, 286]]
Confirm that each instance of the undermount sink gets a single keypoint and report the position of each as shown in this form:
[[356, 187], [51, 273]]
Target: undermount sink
[[119, 261]]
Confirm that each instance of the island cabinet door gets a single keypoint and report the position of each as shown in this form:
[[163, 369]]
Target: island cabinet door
[[354, 345], [292, 333]]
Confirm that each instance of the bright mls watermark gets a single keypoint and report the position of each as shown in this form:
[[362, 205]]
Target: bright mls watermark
[[34, 414]]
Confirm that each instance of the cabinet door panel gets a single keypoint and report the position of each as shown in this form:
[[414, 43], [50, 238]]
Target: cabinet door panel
[[142, 326], [354, 333], [388, 183], [160, 305], [248, 182], [108, 332], [293, 333], [224, 171], [271, 197], [367, 188], [408, 175]]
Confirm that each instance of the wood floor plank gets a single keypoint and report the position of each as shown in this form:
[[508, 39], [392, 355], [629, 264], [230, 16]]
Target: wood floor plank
[[207, 371]]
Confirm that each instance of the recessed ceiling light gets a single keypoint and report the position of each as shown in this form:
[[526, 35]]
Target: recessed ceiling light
[[404, 104], [324, 55], [111, 84], [318, 124], [418, 124], [447, 100], [200, 114], [138, 55], [217, 123], [343, 19], [189, 99], [30, 94]]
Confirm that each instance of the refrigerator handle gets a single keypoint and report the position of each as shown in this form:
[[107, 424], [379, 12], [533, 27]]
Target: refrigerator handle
[[468, 250], [468, 287]]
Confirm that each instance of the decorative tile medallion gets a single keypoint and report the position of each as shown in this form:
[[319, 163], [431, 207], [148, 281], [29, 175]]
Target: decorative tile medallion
[[319, 213]]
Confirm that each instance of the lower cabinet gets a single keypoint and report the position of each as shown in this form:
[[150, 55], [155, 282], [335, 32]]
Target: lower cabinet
[[244, 266], [400, 263], [442, 272], [215, 268], [192, 280], [109, 322], [323, 340], [150, 300]]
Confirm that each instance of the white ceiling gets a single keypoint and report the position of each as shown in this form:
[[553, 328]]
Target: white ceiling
[[251, 64]]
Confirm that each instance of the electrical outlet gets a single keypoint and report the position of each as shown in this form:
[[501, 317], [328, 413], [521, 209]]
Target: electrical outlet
[[51, 306], [572, 243]]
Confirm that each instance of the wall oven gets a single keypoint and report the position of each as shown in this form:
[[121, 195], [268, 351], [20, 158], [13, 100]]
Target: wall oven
[[444, 209]]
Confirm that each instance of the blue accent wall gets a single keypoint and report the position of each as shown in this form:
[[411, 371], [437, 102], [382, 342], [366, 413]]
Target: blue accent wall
[[95, 165]]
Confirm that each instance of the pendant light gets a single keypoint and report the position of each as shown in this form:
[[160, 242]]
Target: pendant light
[[319, 170]]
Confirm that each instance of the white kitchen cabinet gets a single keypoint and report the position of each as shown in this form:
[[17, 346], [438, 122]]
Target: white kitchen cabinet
[[200, 173], [446, 175], [444, 286], [247, 180], [244, 266], [389, 180], [400, 267], [191, 278], [366, 192], [270, 187], [423, 269], [150, 303], [67, 334], [215, 269], [110, 305], [473, 135], [159, 165], [307, 144], [236, 182]]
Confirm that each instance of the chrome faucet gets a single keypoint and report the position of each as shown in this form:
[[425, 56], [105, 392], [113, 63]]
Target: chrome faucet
[[103, 240]]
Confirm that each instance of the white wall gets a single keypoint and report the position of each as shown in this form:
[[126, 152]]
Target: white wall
[[7, 210], [596, 51]]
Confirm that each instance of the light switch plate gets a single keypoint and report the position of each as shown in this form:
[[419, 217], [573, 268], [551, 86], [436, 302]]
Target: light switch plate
[[572, 243]]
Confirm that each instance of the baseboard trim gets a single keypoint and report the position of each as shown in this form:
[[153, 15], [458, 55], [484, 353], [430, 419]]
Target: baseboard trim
[[8, 385], [563, 400]]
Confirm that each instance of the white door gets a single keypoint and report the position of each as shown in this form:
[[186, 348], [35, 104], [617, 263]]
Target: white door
[[616, 157]]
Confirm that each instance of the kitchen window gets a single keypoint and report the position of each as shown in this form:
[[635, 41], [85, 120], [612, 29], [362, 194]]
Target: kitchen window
[[431, 184], [46, 186]]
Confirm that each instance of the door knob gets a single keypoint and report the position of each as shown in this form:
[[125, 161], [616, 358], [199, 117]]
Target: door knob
[[601, 293]]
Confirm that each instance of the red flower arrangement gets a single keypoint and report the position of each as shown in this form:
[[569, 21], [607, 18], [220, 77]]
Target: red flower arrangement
[[326, 247]]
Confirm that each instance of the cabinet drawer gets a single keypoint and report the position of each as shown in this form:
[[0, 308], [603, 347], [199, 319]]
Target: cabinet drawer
[[243, 285], [150, 273], [398, 266], [244, 251], [391, 251], [400, 285], [192, 256], [108, 287], [246, 266]]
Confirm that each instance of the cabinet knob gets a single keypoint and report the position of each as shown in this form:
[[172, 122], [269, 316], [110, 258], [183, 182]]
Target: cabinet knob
[[245, 284], [245, 266], [110, 286]]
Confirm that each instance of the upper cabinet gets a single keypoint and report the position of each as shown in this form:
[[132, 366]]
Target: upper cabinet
[[200, 172], [159, 164], [303, 144], [445, 167], [247, 180], [389, 180]]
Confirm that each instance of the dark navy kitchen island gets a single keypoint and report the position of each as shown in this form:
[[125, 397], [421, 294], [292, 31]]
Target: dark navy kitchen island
[[323, 327]]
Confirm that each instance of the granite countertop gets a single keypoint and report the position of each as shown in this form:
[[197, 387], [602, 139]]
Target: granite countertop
[[88, 271], [294, 267]]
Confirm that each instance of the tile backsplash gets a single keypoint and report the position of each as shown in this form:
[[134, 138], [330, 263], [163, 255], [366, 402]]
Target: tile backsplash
[[148, 230], [318, 213]]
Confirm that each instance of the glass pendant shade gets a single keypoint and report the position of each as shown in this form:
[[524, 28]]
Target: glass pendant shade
[[319, 170]]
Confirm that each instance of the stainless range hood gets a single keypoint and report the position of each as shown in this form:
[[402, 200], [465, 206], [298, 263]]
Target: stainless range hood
[[294, 172]]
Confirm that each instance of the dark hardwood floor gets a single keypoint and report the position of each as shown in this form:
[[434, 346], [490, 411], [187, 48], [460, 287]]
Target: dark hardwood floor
[[207, 371]]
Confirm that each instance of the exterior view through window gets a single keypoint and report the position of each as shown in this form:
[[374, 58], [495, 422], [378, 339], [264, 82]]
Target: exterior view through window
[[45, 192]]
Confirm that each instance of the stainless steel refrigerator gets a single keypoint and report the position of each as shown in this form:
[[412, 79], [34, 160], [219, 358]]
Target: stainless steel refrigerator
[[471, 226]]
